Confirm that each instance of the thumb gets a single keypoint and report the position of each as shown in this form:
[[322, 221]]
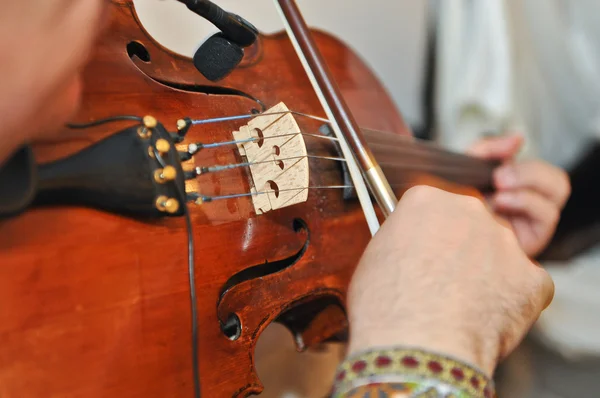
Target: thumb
[[497, 148]]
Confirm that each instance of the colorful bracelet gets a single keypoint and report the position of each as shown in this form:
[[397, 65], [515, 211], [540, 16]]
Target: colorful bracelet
[[409, 373]]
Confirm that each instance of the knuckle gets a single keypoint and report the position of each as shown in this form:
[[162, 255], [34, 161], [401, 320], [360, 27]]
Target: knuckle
[[451, 204], [421, 194], [543, 287], [472, 204], [510, 239]]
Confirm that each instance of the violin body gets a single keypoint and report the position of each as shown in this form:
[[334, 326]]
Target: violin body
[[98, 305]]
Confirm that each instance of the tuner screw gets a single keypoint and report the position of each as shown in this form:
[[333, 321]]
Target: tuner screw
[[168, 205], [183, 126], [194, 149], [164, 175], [150, 122], [162, 145], [144, 132]]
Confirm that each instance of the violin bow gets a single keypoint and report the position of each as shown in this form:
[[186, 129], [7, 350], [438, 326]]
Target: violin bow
[[362, 165]]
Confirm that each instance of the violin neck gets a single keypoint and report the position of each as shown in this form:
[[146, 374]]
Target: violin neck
[[407, 161]]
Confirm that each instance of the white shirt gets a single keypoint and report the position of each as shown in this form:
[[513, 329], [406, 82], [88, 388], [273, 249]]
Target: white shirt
[[533, 66]]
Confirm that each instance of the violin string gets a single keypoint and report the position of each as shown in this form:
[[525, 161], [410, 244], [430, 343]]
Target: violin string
[[199, 199], [213, 169], [354, 171], [446, 169], [254, 115], [196, 147], [385, 141], [382, 140], [419, 149], [454, 169], [465, 170]]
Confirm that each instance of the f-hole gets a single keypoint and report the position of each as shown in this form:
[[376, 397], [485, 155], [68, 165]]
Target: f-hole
[[137, 49], [270, 267], [232, 328], [261, 137], [274, 187]]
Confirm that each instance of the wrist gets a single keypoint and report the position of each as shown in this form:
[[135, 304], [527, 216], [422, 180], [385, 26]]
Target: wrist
[[471, 348], [414, 372]]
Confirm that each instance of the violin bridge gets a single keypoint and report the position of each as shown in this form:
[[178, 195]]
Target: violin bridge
[[279, 162]]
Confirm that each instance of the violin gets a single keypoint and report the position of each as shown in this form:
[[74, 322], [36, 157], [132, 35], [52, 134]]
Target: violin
[[107, 291]]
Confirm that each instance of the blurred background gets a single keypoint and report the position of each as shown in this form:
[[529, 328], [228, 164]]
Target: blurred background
[[458, 70], [388, 35]]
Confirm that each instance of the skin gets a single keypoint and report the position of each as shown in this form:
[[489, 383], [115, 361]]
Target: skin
[[458, 278], [43, 46], [454, 278], [529, 194], [442, 263]]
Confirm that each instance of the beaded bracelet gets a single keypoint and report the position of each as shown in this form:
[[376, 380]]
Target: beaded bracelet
[[409, 373]]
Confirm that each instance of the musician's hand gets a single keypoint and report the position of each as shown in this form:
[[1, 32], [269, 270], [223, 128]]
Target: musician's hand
[[530, 194], [444, 274], [43, 44]]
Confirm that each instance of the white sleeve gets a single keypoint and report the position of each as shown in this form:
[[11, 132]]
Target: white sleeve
[[474, 71], [571, 325]]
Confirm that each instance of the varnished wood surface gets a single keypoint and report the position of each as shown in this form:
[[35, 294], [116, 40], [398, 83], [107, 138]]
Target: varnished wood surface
[[97, 305]]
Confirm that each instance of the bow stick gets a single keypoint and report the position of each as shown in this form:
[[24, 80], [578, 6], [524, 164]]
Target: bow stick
[[361, 163]]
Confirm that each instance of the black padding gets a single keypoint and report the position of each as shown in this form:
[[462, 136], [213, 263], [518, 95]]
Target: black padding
[[18, 181], [114, 175], [349, 191], [218, 57]]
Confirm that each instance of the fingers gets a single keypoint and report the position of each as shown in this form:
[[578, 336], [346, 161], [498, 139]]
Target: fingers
[[497, 148], [528, 203], [544, 178]]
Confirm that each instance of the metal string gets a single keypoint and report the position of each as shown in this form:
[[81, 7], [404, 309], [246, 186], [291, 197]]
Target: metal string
[[453, 169], [199, 199], [253, 115], [213, 169], [396, 145], [354, 170], [194, 148], [384, 140]]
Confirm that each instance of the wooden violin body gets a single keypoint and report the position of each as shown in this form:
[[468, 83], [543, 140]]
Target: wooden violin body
[[98, 305]]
